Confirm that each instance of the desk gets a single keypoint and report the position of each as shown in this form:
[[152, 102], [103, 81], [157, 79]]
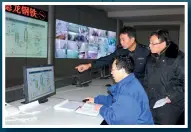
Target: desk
[[49, 116]]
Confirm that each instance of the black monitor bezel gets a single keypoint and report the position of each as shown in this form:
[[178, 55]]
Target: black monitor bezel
[[25, 88]]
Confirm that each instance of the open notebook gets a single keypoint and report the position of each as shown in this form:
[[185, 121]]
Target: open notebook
[[78, 107]]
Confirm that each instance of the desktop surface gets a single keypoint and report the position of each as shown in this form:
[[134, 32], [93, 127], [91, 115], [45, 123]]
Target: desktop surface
[[49, 116]]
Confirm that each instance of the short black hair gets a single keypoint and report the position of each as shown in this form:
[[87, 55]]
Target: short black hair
[[126, 62], [128, 30], [163, 35]]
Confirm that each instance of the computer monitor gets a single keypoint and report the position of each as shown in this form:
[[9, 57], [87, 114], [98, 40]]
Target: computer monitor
[[39, 83]]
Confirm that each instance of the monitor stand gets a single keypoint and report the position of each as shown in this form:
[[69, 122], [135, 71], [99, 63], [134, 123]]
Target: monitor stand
[[24, 102], [44, 100]]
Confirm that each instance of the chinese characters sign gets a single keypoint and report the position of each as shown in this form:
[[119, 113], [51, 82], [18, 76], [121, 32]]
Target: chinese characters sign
[[27, 11]]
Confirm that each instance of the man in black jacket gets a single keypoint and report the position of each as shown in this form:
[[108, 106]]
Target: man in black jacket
[[129, 46], [164, 78]]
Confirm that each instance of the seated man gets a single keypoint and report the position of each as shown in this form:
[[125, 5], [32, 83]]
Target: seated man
[[128, 103]]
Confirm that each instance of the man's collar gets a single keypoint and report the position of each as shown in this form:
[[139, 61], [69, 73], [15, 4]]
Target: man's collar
[[126, 80]]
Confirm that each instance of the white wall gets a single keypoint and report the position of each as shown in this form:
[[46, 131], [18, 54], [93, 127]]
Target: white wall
[[176, 31], [143, 34], [181, 37]]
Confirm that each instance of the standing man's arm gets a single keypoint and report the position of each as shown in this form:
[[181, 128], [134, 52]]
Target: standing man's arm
[[107, 60], [177, 92]]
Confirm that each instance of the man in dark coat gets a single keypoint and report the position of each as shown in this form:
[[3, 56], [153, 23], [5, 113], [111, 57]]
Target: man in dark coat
[[164, 78], [128, 46]]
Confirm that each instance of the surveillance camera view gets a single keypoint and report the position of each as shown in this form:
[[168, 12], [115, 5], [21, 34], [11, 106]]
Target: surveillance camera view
[[82, 42]]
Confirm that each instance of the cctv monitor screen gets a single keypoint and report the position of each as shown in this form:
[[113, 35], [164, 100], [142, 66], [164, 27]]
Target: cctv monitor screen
[[82, 42]]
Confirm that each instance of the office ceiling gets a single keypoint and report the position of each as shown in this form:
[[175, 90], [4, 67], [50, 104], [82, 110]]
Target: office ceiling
[[134, 7], [144, 13]]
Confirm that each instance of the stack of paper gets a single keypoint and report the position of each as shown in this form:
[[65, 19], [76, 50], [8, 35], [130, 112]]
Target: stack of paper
[[68, 105], [78, 107], [88, 109]]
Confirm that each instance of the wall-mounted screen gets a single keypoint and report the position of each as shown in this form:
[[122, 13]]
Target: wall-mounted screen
[[25, 36], [82, 42]]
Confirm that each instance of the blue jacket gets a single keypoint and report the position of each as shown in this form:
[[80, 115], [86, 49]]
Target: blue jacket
[[128, 104]]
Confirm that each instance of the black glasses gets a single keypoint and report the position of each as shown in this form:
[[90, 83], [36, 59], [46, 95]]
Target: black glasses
[[155, 43]]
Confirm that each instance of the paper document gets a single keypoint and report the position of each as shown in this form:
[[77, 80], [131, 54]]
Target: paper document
[[78, 107], [160, 103], [68, 105], [88, 109], [29, 106]]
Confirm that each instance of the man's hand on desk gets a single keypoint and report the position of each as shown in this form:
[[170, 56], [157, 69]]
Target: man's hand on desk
[[98, 107], [90, 100]]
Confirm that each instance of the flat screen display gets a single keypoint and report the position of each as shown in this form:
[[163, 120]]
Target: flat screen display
[[82, 42]]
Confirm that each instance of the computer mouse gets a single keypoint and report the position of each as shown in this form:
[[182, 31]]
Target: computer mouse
[[85, 100], [108, 85]]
